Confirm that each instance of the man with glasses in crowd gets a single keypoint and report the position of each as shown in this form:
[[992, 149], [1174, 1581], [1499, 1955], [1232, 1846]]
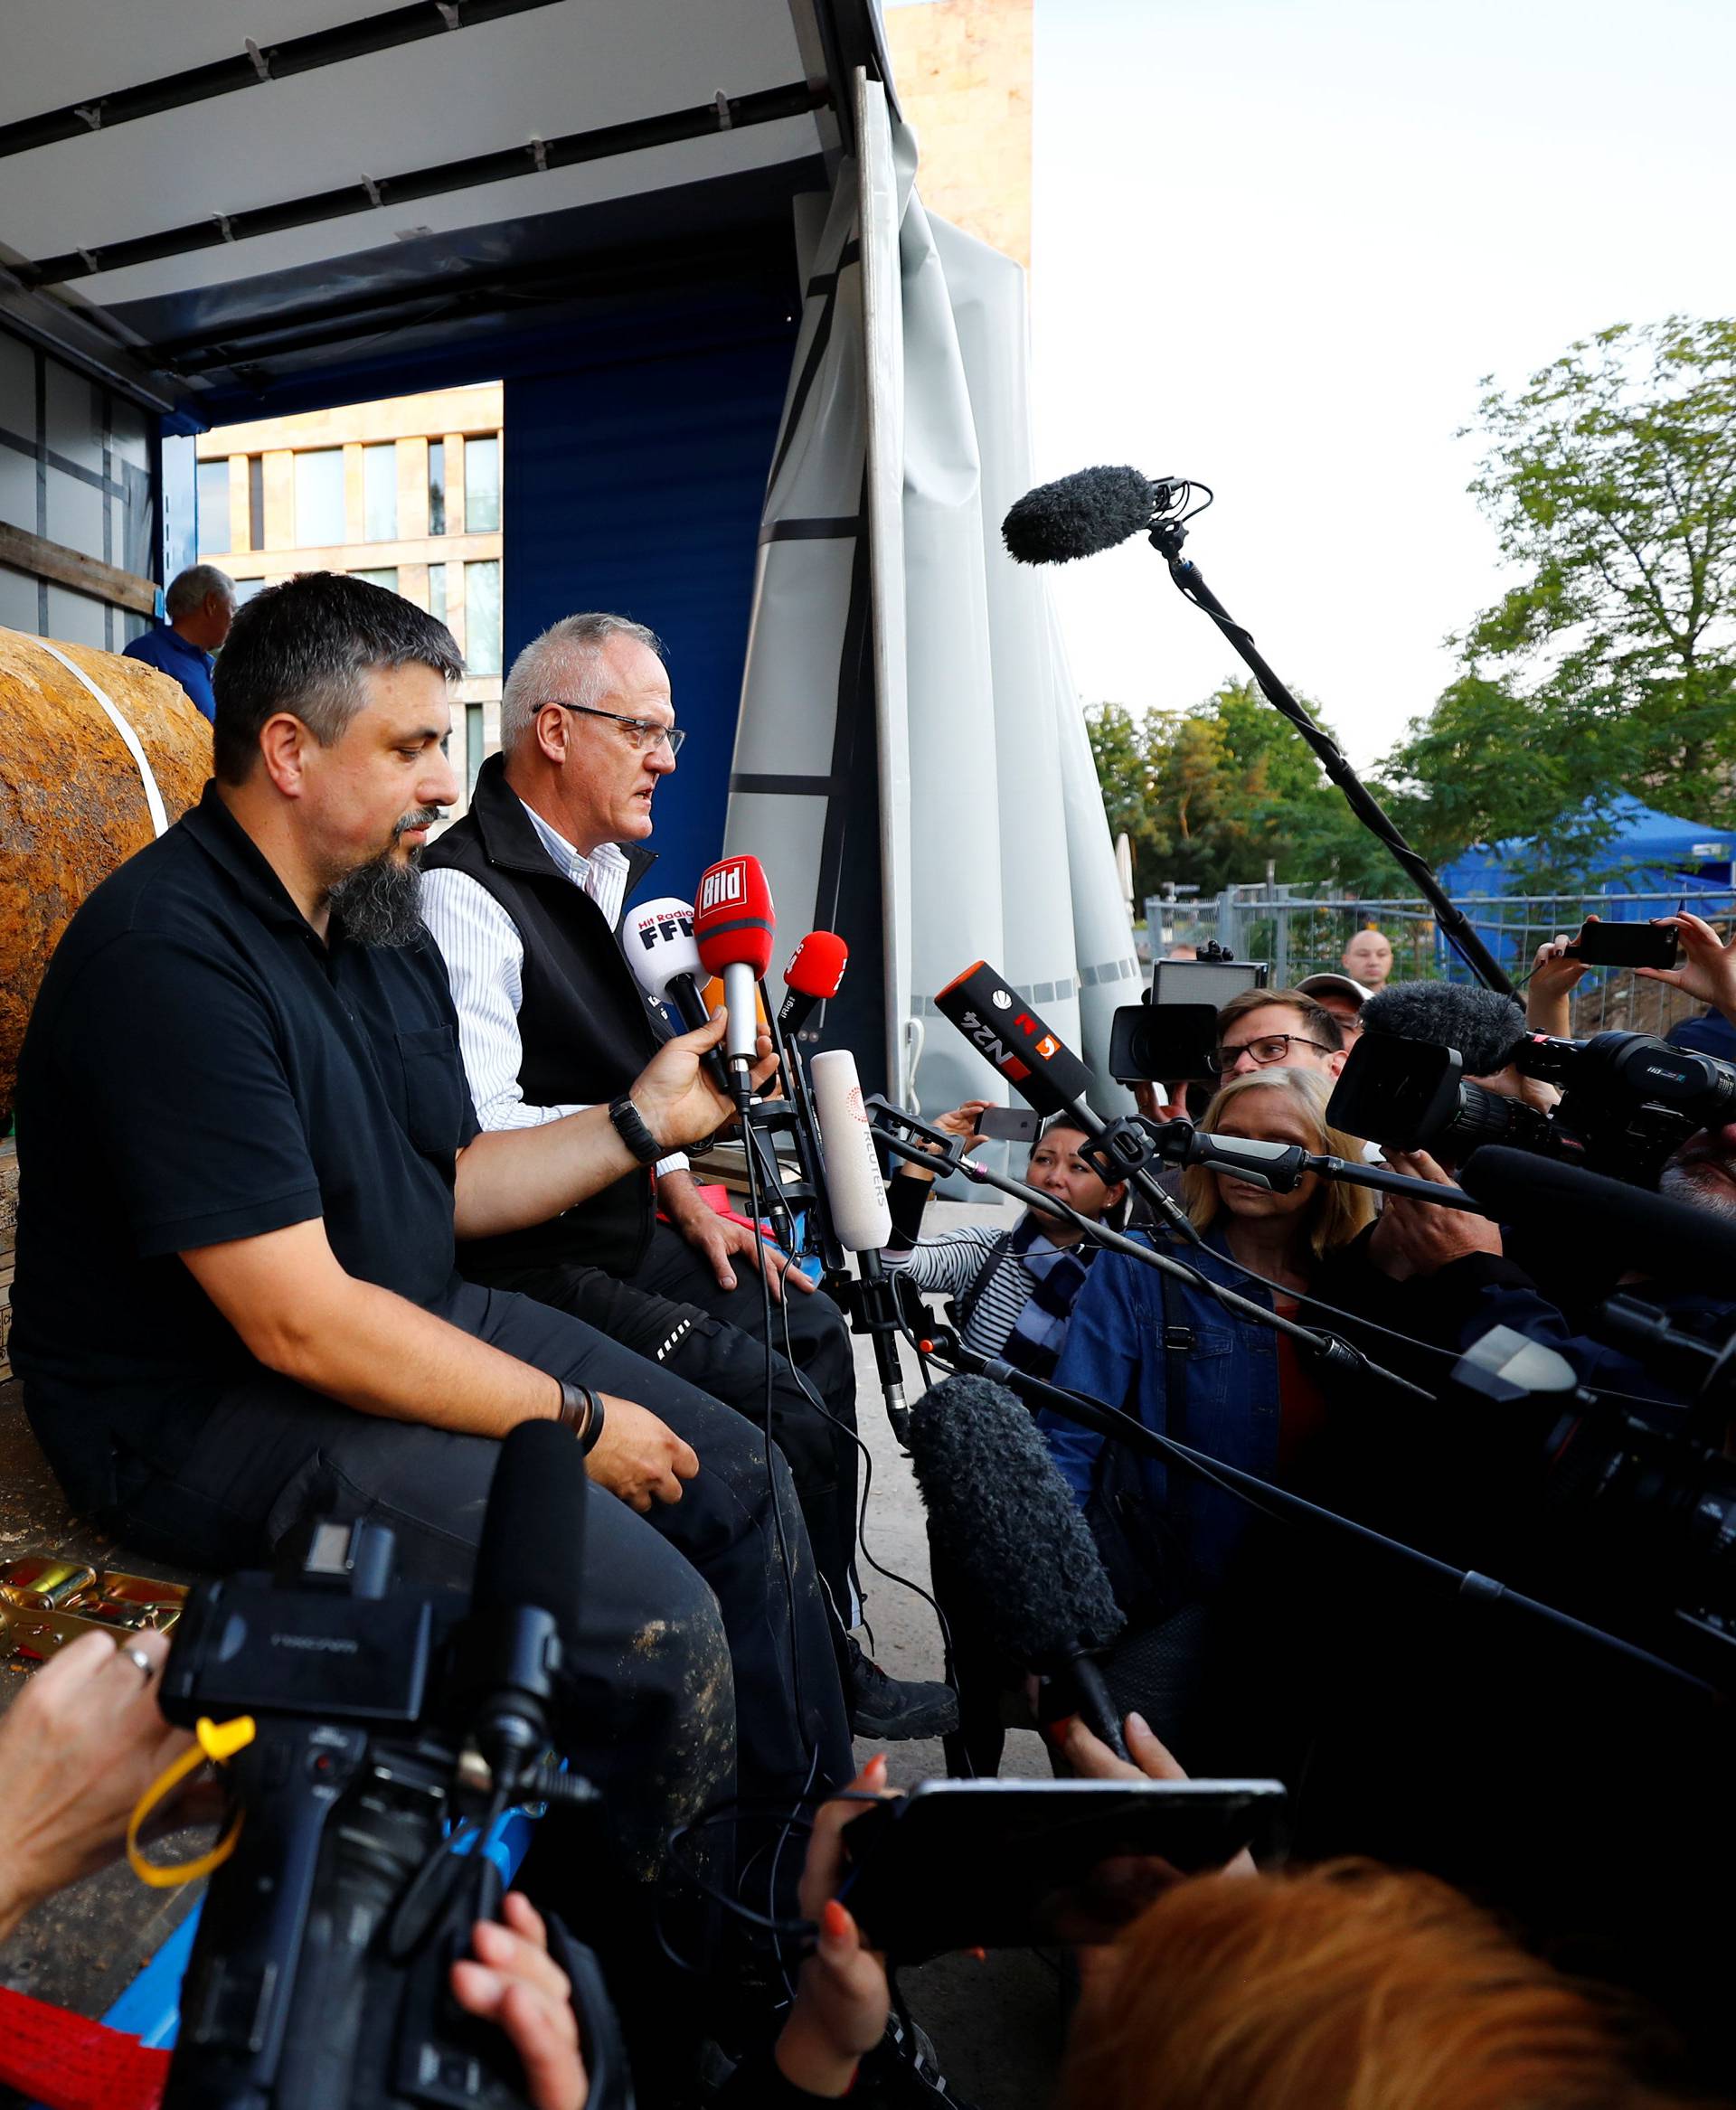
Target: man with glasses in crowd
[[1263, 1028], [523, 897]]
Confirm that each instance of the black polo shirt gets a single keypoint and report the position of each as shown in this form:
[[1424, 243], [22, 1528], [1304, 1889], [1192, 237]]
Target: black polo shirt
[[201, 1066]]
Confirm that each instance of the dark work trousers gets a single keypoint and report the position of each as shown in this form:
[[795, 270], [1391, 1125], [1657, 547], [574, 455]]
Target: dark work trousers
[[719, 1338], [653, 1726]]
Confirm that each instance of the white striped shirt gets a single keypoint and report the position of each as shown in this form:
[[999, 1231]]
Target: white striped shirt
[[949, 1263], [485, 963]]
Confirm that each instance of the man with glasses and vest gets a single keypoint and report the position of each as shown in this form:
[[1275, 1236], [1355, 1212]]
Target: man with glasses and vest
[[524, 896]]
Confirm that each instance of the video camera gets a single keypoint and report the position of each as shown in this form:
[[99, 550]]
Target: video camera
[[1629, 1100], [1169, 1035], [319, 1975]]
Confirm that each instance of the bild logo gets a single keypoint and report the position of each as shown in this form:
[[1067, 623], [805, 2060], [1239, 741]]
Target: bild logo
[[727, 883]]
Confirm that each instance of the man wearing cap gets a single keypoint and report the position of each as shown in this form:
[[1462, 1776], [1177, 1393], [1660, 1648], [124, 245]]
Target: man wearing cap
[[1343, 996]]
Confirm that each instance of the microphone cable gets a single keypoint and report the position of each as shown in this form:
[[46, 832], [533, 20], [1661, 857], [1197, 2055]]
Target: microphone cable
[[889, 1575]]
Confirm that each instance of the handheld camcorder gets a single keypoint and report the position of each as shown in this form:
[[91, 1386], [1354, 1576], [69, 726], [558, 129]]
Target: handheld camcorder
[[1629, 1100], [381, 1717], [1167, 1037]]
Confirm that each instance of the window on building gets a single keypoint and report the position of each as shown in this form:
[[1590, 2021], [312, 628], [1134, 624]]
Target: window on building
[[212, 500], [437, 487], [481, 487], [319, 499], [245, 588], [473, 745], [437, 592], [482, 617], [387, 577], [256, 501], [379, 493]]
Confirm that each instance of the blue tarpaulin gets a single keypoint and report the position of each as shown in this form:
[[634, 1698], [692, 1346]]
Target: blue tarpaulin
[[1649, 853]]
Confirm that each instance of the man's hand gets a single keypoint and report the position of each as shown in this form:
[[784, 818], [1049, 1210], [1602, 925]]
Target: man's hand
[[515, 1982], [842, 1998], [1413, 1238], [677, 1100], [639, 1457], [79, 1746], [716, 1239], [1708, 970]]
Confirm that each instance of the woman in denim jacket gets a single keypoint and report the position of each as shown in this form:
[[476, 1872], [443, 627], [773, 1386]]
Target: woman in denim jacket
[[1250, 1399]]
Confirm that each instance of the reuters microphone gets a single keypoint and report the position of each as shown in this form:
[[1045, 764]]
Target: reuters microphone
[[861, 1216], [734, 924], [812, 978]]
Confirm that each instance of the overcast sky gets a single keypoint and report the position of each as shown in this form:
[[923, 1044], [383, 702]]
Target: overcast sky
[[1277, 244]]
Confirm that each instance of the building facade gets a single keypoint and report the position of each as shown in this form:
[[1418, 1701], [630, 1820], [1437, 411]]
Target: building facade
[[406, 492], [964, 71]]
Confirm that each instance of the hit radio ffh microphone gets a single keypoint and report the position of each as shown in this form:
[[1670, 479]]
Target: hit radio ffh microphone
[[812, 977], [1003, 1028], [1005, 1522], [735, 925], [860, 1217], [659, 942]]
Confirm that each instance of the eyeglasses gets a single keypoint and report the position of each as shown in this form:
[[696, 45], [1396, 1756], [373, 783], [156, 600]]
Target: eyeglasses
[[1269, 1049], [642, 733]]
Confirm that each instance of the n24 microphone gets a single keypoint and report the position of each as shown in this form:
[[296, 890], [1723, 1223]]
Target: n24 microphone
[[812, 977], [1007, 1032], [734, 924]]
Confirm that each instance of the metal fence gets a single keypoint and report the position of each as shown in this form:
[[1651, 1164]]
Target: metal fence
[[1301, 936]]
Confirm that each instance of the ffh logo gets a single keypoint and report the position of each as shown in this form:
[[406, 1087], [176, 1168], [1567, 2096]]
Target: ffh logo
[[994, 1047], [662, 930], [724, 884]]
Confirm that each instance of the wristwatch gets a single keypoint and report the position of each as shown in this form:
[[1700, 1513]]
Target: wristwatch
[[629, 1125]]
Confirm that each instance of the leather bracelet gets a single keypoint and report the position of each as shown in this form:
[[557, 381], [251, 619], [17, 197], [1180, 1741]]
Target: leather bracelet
[[629, 1125], [581, 1410]]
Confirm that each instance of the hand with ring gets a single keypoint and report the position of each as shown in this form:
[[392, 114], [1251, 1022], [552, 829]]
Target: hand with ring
[[79, 1746]]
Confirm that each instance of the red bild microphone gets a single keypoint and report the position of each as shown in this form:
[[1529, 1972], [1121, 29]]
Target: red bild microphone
[[815, 971], [734, 924]]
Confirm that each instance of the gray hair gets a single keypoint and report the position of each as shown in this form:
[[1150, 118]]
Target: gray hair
[[569, 653], [303, 648], [190, 589]]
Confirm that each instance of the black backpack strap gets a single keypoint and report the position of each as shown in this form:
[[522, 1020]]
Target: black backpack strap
[[971, 1295]]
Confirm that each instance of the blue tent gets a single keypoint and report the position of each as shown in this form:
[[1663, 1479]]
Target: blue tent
[[1649, 853]]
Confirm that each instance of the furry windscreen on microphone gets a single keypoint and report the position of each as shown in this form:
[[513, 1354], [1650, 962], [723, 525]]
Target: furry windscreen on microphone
[[1005, 1522], [1078, 516], [1484, 1025]]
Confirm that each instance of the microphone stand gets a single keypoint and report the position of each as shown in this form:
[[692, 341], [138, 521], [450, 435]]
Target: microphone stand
[[1281, 1165], [1333, 1350], [1466, 1582], [1167, 538]]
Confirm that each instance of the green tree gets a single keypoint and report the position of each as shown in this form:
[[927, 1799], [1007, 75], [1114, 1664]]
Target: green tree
[[1611, 664], [1209, 794]]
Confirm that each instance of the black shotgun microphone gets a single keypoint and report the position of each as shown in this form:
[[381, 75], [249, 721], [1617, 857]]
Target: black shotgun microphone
[[1082, 514], [1005, 1522], [1587, 1215], [528, 1590]]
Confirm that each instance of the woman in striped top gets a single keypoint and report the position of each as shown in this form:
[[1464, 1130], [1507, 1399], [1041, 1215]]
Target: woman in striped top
[[1012, 1290]]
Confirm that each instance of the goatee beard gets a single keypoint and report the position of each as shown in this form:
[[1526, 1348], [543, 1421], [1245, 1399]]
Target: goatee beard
[[380, 901]]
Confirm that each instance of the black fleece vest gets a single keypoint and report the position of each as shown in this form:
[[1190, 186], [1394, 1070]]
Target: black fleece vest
[[586, 1029]]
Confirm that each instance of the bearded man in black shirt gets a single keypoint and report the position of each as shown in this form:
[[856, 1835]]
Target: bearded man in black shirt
[[246, 1148]]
